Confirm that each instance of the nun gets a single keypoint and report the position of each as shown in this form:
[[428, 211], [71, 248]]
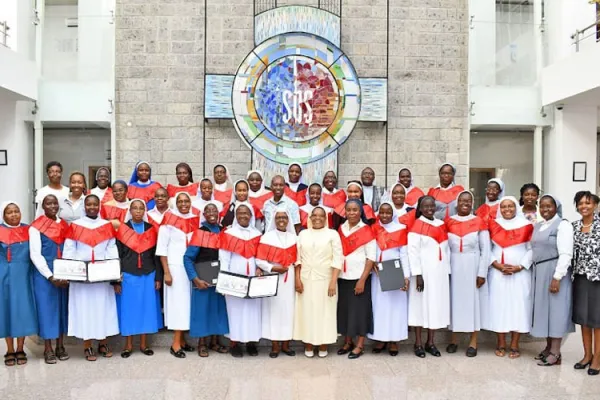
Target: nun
[[46, 239], [174, 236], [354, 190], [390, 308], [277, 254], [115, 210], [412, 193], [494, 191], [237, 254], [332, 195], [138, 293], [314, 200], [223, 187], [141, 185], [552, 251], [102, 189], [92, 306], [469, 242], [445, 192], [510, 278], [185, 181], [429, 291], [238, 196], [18, 317]]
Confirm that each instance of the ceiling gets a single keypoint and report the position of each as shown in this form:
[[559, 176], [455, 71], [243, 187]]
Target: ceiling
[[61, 2]]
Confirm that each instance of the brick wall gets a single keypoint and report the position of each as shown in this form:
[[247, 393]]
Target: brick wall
[[160, 69]]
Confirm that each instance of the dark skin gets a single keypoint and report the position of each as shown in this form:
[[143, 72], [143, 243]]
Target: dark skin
[[446, 176], [354, 192], [405, 177], [183, 204], [161, 199], [143, 172], [508, 210], [294, 173], [330, 181], [120, 192], [241, 191], [353, 218], [318, 219], [530, 198], [103, 178], [587, 207], [220, 175], [367, 176], [255, 181], [12, 217], [54, 177], [206, 189], [76, 186], [183, 176], [314, 195], [492, 191], [277, 187], [398, 196], [137, 209]]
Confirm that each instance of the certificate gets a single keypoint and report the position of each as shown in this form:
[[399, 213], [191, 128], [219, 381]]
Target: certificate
[[70, 270], [263, 286], [104, 271], [232, 284]]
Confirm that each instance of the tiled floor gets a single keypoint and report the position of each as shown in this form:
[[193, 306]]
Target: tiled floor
[[162, 376]]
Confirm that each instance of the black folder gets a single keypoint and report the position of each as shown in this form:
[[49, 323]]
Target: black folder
[[208, 271], [391, 275]]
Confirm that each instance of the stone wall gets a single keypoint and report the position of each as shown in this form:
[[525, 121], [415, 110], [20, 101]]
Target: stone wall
[[160, 68]]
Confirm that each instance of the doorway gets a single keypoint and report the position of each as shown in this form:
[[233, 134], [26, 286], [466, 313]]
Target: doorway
[[478, 178]]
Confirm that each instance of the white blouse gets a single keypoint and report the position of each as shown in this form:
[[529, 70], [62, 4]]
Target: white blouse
[[355, 261]]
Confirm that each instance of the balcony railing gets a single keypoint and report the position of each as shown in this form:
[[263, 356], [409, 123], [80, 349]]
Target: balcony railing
[[4, 28], [587, 34]]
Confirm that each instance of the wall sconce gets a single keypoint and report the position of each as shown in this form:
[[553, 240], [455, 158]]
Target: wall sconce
[[110, 106]]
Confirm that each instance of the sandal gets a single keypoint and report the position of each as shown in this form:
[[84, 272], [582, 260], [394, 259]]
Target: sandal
[[500, 352], [514, 353], [550, 360], [203, 351], [543, 354], [393, 350], [89, 354], [431, 349], [21, 357], [61, 354], [345, 349], [104, 351], [218, 348], [419, 351], [147, 351], [353, 355], [187, 348], [50, 357], [10, 360], [126, 353]]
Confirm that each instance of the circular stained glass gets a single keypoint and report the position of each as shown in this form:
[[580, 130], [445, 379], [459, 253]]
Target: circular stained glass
[[296, 98]]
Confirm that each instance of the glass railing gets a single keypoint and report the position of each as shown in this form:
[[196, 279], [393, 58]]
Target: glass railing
[[4, 36], [588, 35]]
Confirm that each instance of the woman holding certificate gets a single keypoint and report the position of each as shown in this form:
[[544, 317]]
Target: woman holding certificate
[[208, 312], [237, 254], [92, 306], [18, 318], [390, 308], [138, 295], [354, 311], [46, 238], [277, 253], [174, 235]]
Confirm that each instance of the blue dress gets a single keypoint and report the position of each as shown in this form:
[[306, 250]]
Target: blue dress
[[208, 312], [52, 302], [18, 316]]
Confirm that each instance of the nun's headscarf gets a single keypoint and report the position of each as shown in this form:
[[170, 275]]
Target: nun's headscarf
[[309, 222], [408, 189], [363, 217], [358, 185], [103, 169], [228, 183], [455, 204], [252, 223], [199, 193], [301, 180], [234, 198], [556, 202], [453, 172], [134, 176], [3, 208], [262, 189], [387, 196], [308, 193], [128, 215], [176, 211], [394, 223], [273, 225], [500, 184], [209, 203], [519, 212]]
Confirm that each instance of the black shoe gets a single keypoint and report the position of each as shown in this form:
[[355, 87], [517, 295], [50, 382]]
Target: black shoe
[[345, 349], [353, 356], [288, 352], [471, 352], [452, 348], [431, 349], [274, 354], [236, 351], [593, 371], [393, 353], [187, 348], [419, 352], [252, 350], [377, 349], [179, 353], [582, 366], [126, 353], [147, 351]]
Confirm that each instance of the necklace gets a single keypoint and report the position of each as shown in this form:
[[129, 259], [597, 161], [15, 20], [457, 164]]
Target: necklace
[[587, 226]]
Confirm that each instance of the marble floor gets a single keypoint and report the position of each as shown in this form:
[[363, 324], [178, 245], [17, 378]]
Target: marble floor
[[453, 376]]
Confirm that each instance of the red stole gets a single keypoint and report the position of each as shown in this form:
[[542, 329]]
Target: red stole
[[334, 200], [437, 233], [487, 212], [341, 211], [389, 240], [108, 195], [10, 236], [356, 239], [445, 196], [277, 255], [512, 237], [138, 242], [91, 236], [259, 202], [463, 228], [55, 231], [185, 225], [413, 196], [223, 196], [299, 197], [110, 213], [154, 222], [409, 218], [192, 189], [205, 239], [145, 193], [245, 248]]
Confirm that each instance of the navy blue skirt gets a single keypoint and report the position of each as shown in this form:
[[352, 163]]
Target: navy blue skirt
[[209, 313]]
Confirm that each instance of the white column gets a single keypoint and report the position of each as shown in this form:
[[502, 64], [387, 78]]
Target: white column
[[38, 143], [572, 139], [537, 155]]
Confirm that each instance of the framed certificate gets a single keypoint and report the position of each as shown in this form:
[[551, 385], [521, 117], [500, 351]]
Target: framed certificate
[[104, 271], [208, 271], [263, 286], [70, 270], [91, 272], [247, 287]]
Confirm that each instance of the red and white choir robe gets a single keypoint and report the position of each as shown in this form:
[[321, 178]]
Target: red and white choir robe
[[115, 211], [429, 256], [469, 242], [307, 209], [222, 194], [298, 196], [510, 295], [92, 306], [333, 199], [488, 211], [258, 199], [390, 309], [341, 211], [278, 248], [191, 189], [445, 200], [412, 196], [145, 193], [237, 255], [199, 203], [174, 235], [104, 195]]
